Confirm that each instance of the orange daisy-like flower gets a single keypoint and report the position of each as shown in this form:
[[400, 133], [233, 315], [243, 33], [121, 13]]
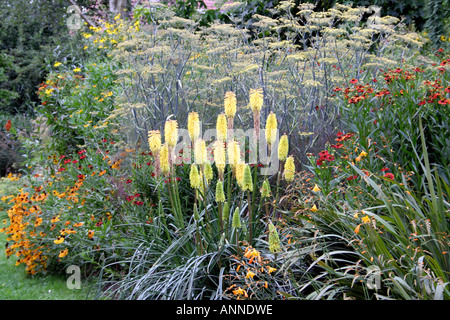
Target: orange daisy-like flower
[[90, 234], [63, 253], [59, 240]]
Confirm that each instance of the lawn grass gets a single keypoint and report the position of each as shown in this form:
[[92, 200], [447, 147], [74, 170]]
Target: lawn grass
[[16, 285]]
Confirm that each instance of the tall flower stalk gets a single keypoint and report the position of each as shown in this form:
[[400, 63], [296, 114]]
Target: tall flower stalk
[[167, 167], [271, 130], [256, 103], [283, 150], [237, 183], [230, 112]]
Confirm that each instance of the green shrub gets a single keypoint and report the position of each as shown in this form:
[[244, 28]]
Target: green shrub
[[375, 200]]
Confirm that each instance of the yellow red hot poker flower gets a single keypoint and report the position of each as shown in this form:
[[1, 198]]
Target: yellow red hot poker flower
[[271, 128], [256, 102], [221, 127], [193, 126]]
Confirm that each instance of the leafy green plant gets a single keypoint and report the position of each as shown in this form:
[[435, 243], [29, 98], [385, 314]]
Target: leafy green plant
[[367, 216]]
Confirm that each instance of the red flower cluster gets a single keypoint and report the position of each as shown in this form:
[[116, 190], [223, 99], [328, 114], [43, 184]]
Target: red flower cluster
[[389, 175], [343, 137], [382, 93], [324, 155], [436, 92], [131, 198], [337, 145], [391, 75]]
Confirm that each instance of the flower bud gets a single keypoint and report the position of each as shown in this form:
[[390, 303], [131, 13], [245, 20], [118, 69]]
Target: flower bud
[[289, 169], [236, 222], [194, 177], [283, 148], [208, 172], [274, 240], [220, 195], [196, 215], [265, 189], [248, 182], [221, 127], [226, 212], [271, 128], [164, 159]]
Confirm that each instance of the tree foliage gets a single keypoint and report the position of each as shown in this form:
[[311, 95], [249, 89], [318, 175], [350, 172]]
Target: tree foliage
[[32, 35]]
